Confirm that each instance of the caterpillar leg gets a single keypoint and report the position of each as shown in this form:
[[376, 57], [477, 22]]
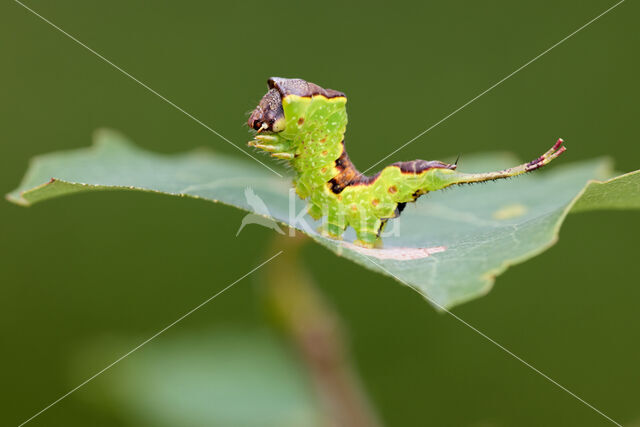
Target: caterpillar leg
[[334, 226], [314, 211], [331, 230], [368, 239], [369, 234], [273, 144]]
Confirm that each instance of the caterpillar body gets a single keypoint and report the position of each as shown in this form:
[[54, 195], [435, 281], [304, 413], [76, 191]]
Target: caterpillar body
[[305, 124]]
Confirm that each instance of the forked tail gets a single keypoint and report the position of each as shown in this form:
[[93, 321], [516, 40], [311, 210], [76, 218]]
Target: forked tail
[[546, 158]]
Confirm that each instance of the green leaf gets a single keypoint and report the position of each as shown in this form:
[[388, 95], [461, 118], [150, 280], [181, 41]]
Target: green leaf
[[208, 378], [449, 246], [621, 192]]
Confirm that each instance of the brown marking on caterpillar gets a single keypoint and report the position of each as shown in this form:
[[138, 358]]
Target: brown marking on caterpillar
[[533, 162], [343, 161], [323, 140], [324, 153], [348, 174], [269, 110], [301, 88], [531, 166], [375, 202], [323, 170], [393, 189], [416, 167]]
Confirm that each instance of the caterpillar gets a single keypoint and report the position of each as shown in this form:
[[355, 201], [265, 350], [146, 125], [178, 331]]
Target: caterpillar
[[305, 124]]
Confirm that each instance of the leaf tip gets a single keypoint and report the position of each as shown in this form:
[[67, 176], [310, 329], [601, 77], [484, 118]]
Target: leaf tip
[[17, 199]]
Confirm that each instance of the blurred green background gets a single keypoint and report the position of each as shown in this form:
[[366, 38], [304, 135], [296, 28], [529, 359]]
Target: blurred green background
[[83, 270]]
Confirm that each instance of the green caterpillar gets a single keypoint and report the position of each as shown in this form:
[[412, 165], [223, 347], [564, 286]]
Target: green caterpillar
[[305, 124]]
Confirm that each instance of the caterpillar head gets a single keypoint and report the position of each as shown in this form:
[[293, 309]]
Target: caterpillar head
[[269, 114]]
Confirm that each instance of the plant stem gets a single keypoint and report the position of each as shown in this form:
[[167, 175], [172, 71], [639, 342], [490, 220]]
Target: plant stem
[[314, 328]]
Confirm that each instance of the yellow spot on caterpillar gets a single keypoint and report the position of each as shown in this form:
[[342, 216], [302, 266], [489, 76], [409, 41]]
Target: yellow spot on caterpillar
[[393, 189], [354, 208], [510, 211]]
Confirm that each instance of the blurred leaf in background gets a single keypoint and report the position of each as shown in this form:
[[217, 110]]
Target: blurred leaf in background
[[205, 378]]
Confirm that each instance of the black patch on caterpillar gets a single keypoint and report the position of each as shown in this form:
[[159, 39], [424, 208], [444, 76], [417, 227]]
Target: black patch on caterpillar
[[396, 213], [383, 223], [336, 187], [400, 208]]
